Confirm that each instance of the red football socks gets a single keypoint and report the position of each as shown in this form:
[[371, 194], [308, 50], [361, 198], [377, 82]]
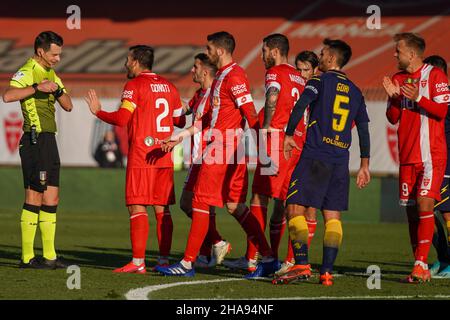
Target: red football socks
[[139, 234], [413, 225], [198, 231], [213, 235], [254, 232], [164, 230], [290, 252], [312, 224], [260, 213], [276, 233], [424, 235]]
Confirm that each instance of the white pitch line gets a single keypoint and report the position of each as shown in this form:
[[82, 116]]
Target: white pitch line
[[142, 293]]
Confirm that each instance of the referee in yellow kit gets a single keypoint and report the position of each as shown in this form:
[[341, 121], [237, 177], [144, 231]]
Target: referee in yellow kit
[[38, 87]]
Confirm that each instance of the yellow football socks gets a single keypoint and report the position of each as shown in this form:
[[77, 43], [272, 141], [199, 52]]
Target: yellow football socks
[[47, 225], [298, 229], [333, 233], [448, 230], [28, 225]]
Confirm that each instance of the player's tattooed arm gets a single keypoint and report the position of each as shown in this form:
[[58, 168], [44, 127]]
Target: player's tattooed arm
[[270, 105]]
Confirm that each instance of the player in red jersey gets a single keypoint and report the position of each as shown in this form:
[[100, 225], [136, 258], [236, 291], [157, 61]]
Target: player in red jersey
[[150, 107], [418, 97], [203, 73], [284, 85], [222, 179]]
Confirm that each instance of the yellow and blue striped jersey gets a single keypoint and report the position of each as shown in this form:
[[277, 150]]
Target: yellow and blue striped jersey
[[337, 104]]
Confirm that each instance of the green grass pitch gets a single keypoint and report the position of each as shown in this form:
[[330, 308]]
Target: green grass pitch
[[93, 233]]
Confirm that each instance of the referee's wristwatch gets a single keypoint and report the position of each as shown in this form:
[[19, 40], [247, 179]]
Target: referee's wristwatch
[[35, 85]]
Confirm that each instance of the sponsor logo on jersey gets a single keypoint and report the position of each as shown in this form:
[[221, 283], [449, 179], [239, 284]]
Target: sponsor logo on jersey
[[149, 141], [442, 98], [245, 99], [238, 89], [441, 87], [271, 77], [127, 94]]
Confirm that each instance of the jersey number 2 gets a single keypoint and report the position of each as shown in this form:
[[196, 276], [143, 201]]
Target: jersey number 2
[[339, 124], [162, 102], [296, 95]]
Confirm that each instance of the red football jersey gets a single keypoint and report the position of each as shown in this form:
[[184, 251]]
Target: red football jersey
[[230, 99], [156, 103], [200, 106], [421, 136], [291, 84]]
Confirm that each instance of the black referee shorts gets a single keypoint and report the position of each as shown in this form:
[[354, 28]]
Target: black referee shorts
[[40, 161]]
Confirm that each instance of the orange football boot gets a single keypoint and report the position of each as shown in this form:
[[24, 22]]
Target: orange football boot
[[131, 268], [326, 279], [296, 272]]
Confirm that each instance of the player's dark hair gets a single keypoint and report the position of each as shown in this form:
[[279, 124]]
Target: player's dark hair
[[412, 40], [308, 56], [45, 39], [279, 41], [223, 40], [206, 62], [437, 61], [144, 55], [342, 50]]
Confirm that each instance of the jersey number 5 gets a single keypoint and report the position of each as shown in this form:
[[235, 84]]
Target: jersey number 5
[[339, 123], [162, 102]]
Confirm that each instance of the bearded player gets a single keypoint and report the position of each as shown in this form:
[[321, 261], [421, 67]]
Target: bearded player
[[150, 107], [223, 178], [283, 84]]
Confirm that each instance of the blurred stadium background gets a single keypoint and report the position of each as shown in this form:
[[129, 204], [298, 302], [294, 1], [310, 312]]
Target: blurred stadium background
[[94, 56]]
